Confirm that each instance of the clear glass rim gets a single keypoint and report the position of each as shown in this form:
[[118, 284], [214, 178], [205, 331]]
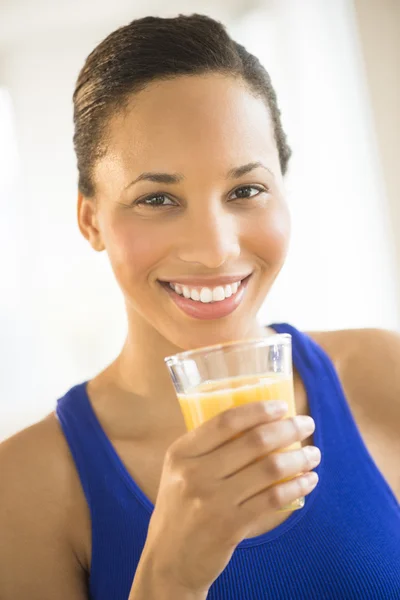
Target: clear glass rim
[[278, 338]]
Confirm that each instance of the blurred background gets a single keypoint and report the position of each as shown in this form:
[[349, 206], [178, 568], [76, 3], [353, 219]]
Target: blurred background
[[335, 66]]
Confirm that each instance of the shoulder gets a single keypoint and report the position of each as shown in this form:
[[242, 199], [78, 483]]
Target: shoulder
[[40, 496], [34, 442], [368, 364], [36, 459]]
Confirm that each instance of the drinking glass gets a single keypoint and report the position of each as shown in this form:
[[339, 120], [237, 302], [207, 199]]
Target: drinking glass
[[213, 379]]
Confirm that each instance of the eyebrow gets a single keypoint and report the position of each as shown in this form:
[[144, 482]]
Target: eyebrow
[[171, 178]]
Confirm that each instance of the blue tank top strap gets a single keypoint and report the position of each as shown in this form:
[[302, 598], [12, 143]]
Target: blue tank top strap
[[306, 353], [75, 419]]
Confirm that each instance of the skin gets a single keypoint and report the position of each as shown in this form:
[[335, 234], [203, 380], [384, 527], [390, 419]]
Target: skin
[[201, 127]]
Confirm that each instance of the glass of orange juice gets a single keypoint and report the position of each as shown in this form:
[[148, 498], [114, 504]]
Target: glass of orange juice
[[213, 379]]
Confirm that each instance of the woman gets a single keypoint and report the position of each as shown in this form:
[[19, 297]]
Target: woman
[[181, 158]]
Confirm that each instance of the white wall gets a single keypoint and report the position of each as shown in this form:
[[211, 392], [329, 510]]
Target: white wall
[[64, 317]]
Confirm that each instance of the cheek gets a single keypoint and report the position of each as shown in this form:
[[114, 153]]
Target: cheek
[[133, 249], [269, 236]]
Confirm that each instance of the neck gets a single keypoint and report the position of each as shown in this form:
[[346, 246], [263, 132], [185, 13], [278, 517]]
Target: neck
[[140, 365]]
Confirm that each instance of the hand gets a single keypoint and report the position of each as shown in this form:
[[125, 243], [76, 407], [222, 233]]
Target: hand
[[218, 482]]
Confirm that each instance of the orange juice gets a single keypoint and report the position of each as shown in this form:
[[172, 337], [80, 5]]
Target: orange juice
[[211, 398]]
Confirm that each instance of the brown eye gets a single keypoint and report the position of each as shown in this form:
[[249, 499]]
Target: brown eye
[[155, 201], [247, 191]]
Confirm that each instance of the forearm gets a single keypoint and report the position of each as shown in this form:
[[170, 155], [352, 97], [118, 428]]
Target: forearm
[[150, 584]]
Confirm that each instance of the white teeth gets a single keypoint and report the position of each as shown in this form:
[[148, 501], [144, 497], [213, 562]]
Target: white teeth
[[205, 294], [228, 291], [177, 288], [218, 294]]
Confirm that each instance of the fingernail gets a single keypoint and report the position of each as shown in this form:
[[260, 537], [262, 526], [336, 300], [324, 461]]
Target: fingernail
[[313, 454], [310, 479], [305, 423], [276, 407]]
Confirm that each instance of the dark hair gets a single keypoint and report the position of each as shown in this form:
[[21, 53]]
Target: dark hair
[[157, 48]]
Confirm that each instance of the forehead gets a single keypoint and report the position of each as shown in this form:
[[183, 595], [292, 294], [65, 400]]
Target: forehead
[[203, 121]]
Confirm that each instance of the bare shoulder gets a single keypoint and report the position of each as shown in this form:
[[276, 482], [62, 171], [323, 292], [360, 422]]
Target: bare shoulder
[[41, 444], [368, 364], [37, 466], [40, 497]]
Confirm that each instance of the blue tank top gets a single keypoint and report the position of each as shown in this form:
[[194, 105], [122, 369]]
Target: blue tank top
[[343, 545]]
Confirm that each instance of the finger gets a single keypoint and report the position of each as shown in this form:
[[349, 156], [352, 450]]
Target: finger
[[272, 469], [258, 442], [276, 497], [231, 423]]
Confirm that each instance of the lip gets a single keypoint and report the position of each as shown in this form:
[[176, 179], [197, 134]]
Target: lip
[[207, 281], [211, 310]]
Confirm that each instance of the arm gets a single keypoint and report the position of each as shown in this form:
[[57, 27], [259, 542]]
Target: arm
[[37, 560], [150, 585]]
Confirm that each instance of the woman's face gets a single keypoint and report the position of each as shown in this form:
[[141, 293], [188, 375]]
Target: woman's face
[[190, 193]]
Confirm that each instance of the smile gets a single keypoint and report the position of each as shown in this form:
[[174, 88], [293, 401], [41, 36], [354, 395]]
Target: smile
[[207, 302]]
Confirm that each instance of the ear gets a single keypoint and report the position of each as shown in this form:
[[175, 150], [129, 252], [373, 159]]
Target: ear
[[88, 222]]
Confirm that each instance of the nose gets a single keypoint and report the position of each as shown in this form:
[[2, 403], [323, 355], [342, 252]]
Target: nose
[[210, 239]]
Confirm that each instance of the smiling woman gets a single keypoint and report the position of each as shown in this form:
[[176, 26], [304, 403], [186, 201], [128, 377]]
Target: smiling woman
[[181, 159]]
